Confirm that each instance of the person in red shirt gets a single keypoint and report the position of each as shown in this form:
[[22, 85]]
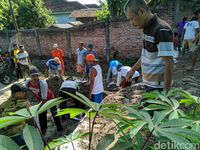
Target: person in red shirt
[[42, 93], [57, 52]]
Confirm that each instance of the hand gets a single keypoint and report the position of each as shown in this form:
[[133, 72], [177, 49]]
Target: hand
[[61, 77], [129, 75], [194, 41], [90, 96]]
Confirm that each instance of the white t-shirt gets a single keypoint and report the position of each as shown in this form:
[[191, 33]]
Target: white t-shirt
[[98, 81], [190, 30], [123, 72], [69, 84], [79, 55], [23, 58]]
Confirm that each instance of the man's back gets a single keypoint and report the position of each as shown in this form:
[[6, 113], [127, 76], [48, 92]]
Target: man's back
[[190, 29]]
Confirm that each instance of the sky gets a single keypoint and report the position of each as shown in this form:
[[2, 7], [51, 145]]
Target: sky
[[86, 1]]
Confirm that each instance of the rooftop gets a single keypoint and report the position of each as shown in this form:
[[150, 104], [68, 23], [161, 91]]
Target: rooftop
[[63, 5], [84, 13]]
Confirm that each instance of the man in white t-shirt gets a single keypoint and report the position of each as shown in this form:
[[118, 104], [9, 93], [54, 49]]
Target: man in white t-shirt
[[79, 59], [95, 79], [69, 86], [191, 28], [122, 72], [23, 61]]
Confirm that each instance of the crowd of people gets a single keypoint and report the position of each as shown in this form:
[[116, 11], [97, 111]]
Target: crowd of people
[[156, 63]]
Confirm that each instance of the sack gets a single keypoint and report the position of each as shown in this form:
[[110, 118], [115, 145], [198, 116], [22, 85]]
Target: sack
[[125, 84]]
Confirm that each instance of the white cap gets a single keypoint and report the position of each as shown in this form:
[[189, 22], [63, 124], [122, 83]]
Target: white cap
[[55, 45]]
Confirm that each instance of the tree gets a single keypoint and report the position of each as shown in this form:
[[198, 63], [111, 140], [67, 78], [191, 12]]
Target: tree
[[116, 7], [29, 14], [104, 13], [6, 20]]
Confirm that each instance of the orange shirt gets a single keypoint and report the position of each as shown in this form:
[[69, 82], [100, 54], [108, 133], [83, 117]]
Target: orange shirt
[[58, 53]]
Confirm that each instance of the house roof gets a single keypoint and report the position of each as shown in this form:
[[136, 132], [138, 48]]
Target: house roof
[[63, 5], [62, 26], [69, 25], [92, 6], [84, 13]]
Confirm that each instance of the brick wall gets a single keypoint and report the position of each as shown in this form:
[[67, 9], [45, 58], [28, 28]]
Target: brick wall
[[123, 36]]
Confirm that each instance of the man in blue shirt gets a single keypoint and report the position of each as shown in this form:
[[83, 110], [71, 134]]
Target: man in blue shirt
[[112, 70]]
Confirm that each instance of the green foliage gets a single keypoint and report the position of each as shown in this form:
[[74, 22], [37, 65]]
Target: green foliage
[[6, 143], [116, 7], [29, 14], [67, 139], [32, 138], [136, 128], [104, 13], [6, 21], [105, 141], [31, 135], [164, 103]]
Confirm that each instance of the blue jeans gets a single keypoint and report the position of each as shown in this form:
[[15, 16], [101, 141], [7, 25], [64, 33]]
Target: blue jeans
[[97, 98]]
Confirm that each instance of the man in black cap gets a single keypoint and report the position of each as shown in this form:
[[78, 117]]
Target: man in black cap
[[90, 50], [42, 93]]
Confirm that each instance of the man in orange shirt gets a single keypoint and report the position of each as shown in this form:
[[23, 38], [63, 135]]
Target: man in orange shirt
[[57, 52]]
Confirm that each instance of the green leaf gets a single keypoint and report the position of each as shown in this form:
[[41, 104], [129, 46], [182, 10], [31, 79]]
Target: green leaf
[[156, 107], [157, 102], [105, 141], [23, 112], [175, 103], [6, 143], [11, 120], [32, 138], [80, 97], [187, 102], [49, 104], [174, 115], [137, 127], [122, 145], [190, 134], [174, 137], [72, 111], [67, 139], [150, 95], [158, 118], [176, 123], [34, 109], [123, 128], [134, 113], [196, 127], [139, 140]]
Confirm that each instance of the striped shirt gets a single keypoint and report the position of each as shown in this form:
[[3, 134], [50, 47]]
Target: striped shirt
[[158, 42]]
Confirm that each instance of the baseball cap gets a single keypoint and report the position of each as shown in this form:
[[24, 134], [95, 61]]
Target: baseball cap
[[55, 45], [34, 71], [17, 87], [90, 45], [91, 57]]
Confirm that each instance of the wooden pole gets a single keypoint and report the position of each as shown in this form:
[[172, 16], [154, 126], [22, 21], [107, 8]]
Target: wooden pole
[[13, 16]]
